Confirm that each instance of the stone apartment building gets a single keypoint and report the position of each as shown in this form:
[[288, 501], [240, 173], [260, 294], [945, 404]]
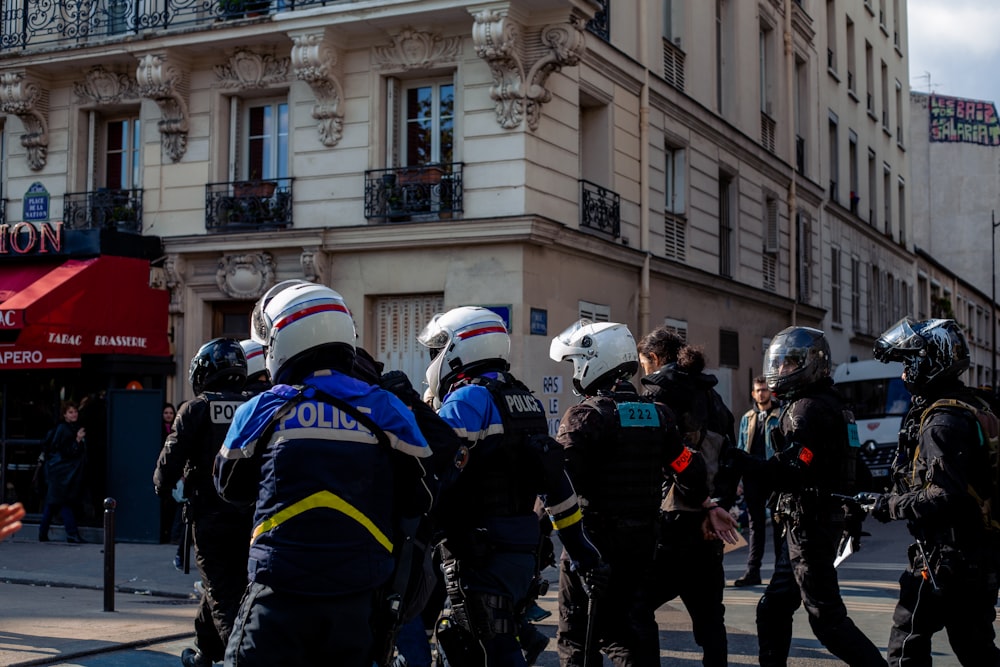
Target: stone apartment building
[[724, 168]]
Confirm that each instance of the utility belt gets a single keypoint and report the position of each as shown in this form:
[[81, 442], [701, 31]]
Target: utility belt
[[481, 614]]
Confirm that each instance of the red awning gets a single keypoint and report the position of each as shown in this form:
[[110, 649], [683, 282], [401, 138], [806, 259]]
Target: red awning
[[51, 315]]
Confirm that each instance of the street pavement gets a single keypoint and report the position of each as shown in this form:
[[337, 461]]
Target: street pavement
[[52, 606]]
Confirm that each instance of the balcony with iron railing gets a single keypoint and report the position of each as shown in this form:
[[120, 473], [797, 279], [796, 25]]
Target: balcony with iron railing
[[600, 209], [39, 23], [104, 208], [600, 25], [400, 194], [255, 205]]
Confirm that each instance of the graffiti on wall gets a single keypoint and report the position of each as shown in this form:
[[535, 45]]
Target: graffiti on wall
[[957, 120]]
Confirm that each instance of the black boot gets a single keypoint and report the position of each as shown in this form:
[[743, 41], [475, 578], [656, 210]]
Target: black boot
[[749, 578], [192, 657]]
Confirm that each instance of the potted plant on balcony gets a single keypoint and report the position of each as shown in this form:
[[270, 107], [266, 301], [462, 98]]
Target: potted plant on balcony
[[254, 188]]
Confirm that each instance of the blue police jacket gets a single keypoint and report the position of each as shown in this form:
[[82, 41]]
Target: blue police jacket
[[323, 483]]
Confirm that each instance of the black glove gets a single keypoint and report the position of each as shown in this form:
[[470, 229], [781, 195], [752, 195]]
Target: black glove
[[596, 580], [397, 383], [880, 511]]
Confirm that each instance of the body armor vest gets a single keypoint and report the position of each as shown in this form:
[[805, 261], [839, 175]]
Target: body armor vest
[[625, 478], [504, 475]]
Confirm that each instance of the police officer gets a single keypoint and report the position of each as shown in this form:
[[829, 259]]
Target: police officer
[[808, 468], [330, 462], [486, 515], [688, 565], [941, 471], [617, 448], [220, 531]]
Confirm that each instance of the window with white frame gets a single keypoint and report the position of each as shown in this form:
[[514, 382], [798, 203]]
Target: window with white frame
[[263, 139], [120, 161], [856, 293], [398, 320], [674, 180], [595, 312], [426, 119]]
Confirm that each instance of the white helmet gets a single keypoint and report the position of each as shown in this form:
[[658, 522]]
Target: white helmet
[[258, 327], [464, 339], [601, 354], [254, 352], [302, 318]]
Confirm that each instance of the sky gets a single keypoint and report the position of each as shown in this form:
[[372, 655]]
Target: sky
[[958, 43]]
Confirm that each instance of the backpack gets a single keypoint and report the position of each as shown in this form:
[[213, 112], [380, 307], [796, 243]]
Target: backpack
[[854, 475], [988, 426]]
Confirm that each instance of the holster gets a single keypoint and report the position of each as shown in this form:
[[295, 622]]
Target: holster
[[476, 612]]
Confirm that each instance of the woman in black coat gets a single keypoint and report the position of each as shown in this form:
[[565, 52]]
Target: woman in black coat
[[65, 455]]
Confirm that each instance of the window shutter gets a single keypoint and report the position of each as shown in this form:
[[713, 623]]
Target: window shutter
[[675, 238], [398, 322], [392, 121]]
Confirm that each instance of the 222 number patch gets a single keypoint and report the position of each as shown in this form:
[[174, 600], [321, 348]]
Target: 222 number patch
[[638, 414]]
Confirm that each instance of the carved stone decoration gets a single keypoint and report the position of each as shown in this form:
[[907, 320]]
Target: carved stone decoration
[[417, 50], [518, 84], [28, 100], [102, 86], [313, 264], [165, 83], [316, 62], [245, 277], [246, 69], [173, 270]]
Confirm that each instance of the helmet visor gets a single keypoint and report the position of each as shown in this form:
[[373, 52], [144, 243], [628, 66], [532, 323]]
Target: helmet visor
[[570, 342], [569, 335], [434, 335], [899, 341]]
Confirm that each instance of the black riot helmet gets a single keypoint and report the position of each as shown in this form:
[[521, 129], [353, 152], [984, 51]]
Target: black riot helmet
[[219, 364], [796, 358], [931, 351]]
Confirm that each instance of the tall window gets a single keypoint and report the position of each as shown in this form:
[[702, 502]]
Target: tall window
[[428, 121], [804, 228], [834, 147], [835, 314], [852, 166], [266, 155], [122, 160], [674, 180], [872, 188], [887, 197], [831, 36], [869, 79], [769, 262], [885, 97], [901, 191], [851, 64], [856, 293], [725, 225], [899, 113]]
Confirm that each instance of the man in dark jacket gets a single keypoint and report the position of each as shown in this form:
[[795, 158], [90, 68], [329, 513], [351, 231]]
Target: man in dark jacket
[[809, 466], [942, 476], [688, 564], [221, 531], [620, 449]]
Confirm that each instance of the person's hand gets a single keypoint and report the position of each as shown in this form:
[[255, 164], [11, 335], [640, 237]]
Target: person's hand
[[81, 434], [720, 525], [596, 580], [10, 519], [397, 383], [880, 511]]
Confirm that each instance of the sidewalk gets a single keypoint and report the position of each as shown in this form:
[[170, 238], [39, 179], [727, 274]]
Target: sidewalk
[[52, 598]]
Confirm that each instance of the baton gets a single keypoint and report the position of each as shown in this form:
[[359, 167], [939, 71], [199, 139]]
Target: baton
[[588, 643]]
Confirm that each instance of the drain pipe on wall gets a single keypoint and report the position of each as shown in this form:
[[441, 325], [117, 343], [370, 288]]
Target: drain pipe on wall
[[644, 175], [793, 228]]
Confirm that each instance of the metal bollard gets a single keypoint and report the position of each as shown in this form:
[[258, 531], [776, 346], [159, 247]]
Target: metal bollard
[[109, 553]]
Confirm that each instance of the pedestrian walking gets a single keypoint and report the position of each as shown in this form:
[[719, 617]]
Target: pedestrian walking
[[65, 450]]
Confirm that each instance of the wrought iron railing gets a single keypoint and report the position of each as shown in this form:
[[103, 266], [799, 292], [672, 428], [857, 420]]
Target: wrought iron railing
[[600, 209], [256, 205], [104, 208], [33, 23], [399, 194], [600, 25]]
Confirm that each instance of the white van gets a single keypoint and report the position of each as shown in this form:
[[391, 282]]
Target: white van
[[876, 394]]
